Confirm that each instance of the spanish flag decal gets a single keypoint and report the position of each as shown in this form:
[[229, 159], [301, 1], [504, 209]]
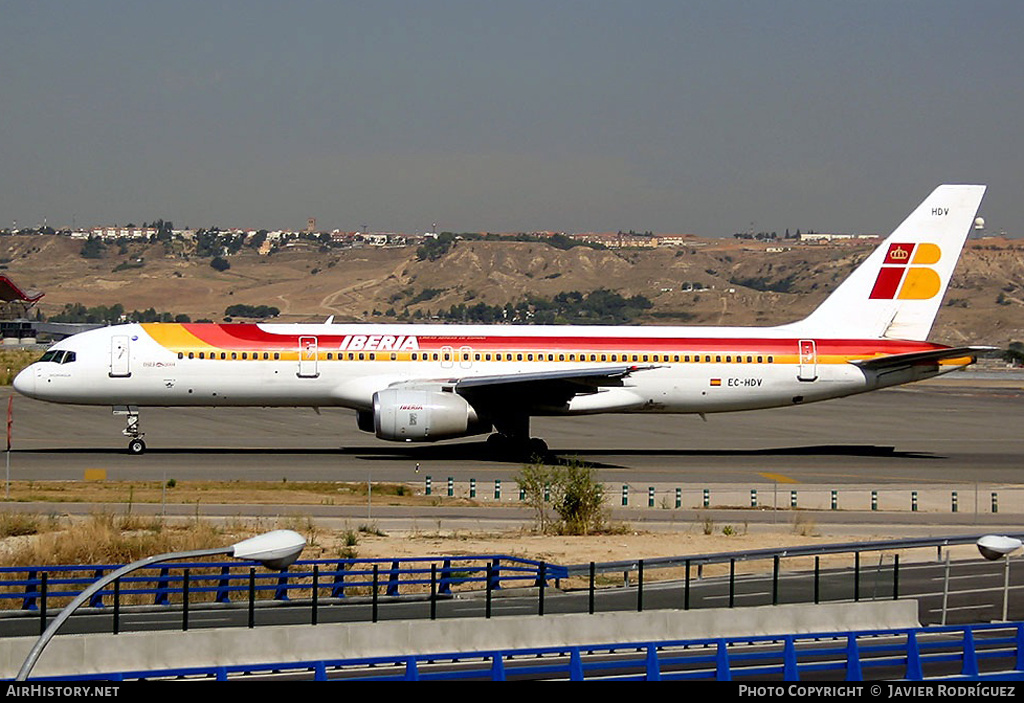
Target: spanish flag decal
[[716, 382]]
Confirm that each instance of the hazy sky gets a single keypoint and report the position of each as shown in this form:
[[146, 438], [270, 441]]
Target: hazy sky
[[671, 116]]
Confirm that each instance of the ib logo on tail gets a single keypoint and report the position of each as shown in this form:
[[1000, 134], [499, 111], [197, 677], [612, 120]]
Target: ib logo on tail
[[907, 273]]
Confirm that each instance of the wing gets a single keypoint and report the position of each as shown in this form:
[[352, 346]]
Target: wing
[[899, 361], [540, 391], [532, 392]]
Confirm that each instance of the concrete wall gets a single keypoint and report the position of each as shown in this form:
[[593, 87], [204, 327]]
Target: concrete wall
[[80, 654]]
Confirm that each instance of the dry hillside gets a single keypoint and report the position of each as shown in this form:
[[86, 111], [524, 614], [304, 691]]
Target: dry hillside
[[746, 283]]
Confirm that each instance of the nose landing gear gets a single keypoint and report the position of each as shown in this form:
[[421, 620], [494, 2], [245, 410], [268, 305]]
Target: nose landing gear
[[135, 445]]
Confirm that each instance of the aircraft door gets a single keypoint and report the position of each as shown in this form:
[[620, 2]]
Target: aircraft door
[[447, 357], [466, 357], [808, 361], [308, 353], [120, 357]]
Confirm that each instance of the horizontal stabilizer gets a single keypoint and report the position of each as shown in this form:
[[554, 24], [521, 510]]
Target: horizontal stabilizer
[[894, 361]]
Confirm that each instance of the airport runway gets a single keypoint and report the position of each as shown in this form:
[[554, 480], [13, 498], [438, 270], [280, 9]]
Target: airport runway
[[934, 434]]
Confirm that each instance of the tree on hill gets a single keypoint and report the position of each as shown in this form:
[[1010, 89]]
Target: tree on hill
[[434, 249], [260, 311], [93, 248]]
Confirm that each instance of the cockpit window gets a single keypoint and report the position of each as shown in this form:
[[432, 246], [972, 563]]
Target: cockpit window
[[58, 356]]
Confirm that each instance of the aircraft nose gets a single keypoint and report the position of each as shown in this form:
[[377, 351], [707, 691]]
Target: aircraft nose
[[25, 382]]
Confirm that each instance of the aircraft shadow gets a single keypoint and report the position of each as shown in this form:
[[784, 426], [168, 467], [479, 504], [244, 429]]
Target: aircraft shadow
[[478, 451]]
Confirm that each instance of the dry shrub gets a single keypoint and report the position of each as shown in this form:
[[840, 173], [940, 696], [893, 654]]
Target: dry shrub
[[19, 524], [104, 538], [13, 361]]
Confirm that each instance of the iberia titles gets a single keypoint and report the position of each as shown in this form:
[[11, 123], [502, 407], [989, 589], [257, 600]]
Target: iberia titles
[[379, 342]]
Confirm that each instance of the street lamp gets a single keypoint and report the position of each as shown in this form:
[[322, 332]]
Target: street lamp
[[994, 547], [275, 550]]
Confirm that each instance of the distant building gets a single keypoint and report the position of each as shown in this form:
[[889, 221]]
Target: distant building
[[620, 240], [814, 237], [676, 240], [124, 232]]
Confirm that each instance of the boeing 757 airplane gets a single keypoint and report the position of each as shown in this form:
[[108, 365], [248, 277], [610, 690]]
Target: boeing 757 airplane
[[422, 383]]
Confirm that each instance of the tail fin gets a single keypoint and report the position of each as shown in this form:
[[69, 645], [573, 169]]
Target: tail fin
[[897, 291]]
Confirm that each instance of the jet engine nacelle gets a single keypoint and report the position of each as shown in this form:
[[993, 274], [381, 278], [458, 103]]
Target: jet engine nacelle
[[423, 416]]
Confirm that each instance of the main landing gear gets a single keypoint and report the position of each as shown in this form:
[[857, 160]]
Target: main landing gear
[[513, 442], [504, 446], [135, 444]]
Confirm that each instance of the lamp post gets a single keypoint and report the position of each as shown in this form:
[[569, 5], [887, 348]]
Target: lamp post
[[275, 550], [994, 547]]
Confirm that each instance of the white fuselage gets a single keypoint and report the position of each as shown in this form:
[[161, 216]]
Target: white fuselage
[[685, 370]]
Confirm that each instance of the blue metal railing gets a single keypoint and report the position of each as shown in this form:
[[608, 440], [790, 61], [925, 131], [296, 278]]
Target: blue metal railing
[[23, 590], [971, 652], [224, 582]]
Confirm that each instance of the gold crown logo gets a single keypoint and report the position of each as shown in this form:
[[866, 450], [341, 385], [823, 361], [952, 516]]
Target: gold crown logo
[[899, 254]]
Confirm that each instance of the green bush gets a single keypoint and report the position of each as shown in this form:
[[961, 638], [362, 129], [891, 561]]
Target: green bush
[[573, 494]]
